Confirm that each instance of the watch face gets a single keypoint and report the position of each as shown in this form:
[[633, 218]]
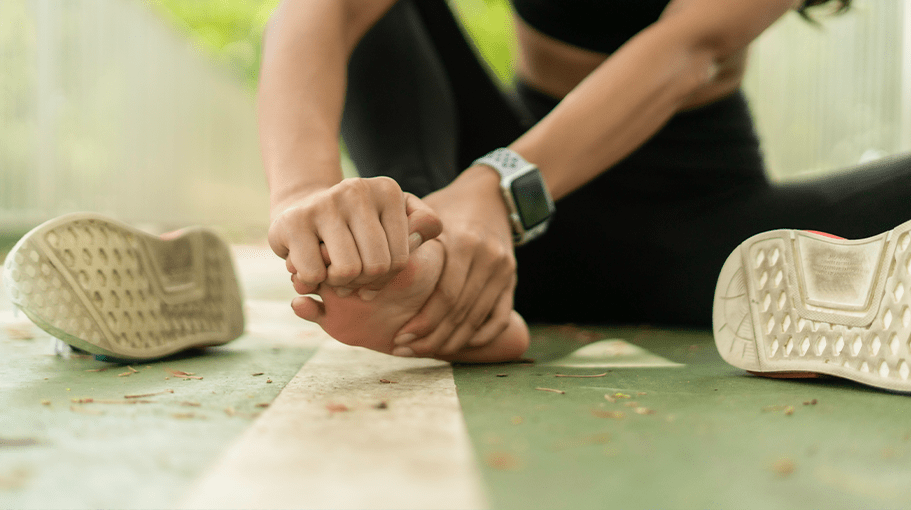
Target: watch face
[[531, 199]]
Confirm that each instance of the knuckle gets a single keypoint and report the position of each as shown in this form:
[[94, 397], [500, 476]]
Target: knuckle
[[345, 272], [386, 184], [374, 270]]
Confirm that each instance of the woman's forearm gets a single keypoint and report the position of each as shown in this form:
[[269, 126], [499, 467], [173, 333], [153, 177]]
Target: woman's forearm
[[633, 93], [302, 92]]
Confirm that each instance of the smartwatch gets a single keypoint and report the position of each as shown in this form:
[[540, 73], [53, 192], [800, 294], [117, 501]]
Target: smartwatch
[[522, 186]]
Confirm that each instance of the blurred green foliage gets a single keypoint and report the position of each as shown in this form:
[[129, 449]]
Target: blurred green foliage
[[231, 30]]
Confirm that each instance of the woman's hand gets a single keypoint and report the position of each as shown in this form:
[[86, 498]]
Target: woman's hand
[[473, 300], [354, 235]]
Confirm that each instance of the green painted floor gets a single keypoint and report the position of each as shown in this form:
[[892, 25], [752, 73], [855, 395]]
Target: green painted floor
[[685, 431]]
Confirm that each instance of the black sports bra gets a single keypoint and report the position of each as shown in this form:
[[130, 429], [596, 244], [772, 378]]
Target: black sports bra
[[598, 25]]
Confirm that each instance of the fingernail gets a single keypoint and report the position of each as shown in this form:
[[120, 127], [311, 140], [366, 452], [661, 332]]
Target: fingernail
[[403, 352], [367, 294], [404, 339], [414, 240], [343, 291]]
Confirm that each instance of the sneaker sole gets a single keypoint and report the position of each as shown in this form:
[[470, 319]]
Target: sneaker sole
[[109, 289], [794, 303]]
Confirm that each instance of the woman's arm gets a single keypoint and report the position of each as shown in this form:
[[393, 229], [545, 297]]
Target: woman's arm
[[670, 65], [361, 222], [639, 88]]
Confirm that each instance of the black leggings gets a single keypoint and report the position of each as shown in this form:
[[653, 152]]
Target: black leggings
[[642, 243]]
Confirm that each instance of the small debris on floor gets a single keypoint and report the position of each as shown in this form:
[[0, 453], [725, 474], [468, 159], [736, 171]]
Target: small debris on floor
[[125, 374], [784, 467], [382, 405], [263, 405], [255, 374], [102, 369], [183, 375], [268, 381], [45, 402], [387, 381], [502, 375], [143, 395], [188, 403], [561, 392], [788, 411], [621, 395], [184, 416], [85, 400], [811, 402], [337, 408], [580, 376], [19, 331], [25, 441], [614, 415], [503, 461], [14, 480], [644, 410], [131, 369]]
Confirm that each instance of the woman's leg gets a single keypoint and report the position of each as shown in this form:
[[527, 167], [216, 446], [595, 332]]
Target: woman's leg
[[420, 106]]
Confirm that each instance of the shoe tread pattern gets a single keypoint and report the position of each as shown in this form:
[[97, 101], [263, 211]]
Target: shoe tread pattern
[[789, 337], [93, 283]]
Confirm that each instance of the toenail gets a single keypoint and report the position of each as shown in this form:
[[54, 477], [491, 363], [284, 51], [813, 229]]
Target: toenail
[[404, 352], [404, 339]]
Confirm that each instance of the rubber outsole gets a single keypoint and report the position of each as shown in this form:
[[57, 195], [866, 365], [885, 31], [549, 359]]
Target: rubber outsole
[[112, 290], [801, 302]]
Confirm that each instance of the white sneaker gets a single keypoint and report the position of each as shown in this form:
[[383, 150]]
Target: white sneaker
[[793, 304], [109, 289]]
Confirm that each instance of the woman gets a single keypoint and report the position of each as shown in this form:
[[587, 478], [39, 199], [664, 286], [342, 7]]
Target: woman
[[632, 111]]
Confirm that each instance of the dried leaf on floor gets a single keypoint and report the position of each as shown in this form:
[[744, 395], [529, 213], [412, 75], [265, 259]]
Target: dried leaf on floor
[[387, 381], [183, 375], [561, 392], [256, 374], [644, 410], [784, 466], [14, 480], [602, 413], [503, 461], [143, 395], [19, 331], [17, 442], [337, 408]]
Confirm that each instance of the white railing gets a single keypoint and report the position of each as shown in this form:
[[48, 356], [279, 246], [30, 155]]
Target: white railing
[[829, 96], [105, 107]]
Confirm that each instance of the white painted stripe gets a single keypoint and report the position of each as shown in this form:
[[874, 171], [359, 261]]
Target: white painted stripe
[[299, 454]]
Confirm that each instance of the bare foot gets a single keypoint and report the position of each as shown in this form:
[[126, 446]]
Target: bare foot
[[372, 324]]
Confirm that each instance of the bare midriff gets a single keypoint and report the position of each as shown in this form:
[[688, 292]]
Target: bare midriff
[[555, 67]]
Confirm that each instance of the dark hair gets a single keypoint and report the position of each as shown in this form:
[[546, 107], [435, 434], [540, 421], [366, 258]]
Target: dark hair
[[842, 6]]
